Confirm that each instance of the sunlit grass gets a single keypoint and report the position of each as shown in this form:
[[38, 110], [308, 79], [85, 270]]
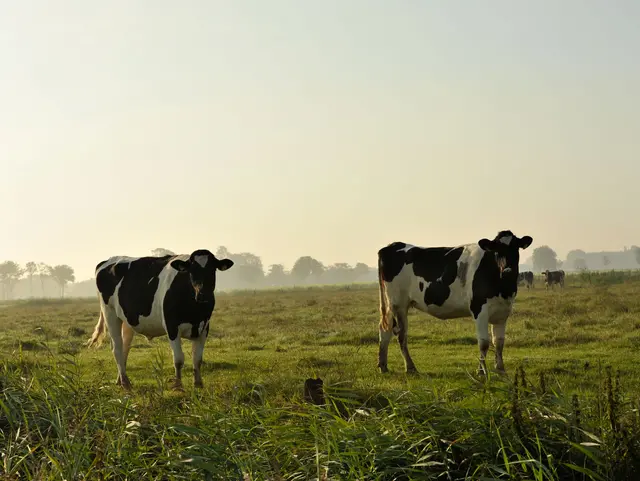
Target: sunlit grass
[[567, 416]]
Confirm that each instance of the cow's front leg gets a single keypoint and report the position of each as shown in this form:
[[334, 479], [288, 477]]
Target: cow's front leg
[[178, 360], [482, 333], [498, 332], [197, 350]]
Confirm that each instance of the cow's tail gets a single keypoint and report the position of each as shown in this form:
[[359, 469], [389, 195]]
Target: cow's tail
[[384, 300], [98, 331]]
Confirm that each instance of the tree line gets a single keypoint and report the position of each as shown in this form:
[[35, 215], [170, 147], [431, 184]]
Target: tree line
[[249, 272], [11, 273], [544, 257]]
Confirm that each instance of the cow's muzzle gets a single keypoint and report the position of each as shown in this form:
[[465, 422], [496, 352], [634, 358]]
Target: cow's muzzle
[[200, 296]]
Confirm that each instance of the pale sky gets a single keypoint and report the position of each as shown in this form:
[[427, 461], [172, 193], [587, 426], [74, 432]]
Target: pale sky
[[290, 127]]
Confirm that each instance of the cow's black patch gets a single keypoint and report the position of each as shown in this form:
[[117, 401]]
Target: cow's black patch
[[486, 282], [139, 286], [421, 286], [108, 279], [391, 260], [439, 267]]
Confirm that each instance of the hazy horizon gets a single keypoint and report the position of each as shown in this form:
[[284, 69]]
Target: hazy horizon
[[286, 129]]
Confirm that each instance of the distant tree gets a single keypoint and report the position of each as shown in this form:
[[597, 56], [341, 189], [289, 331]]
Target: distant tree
[[305, 267], [636, 252], [360, 270], [31, 268], [580, 264], [248, 267], [276, 276], [606, 261], [10, 273], [544, 257], [339, 273], [160, 252], [575, 254], [43, 273], [62, 274], [223, 253]]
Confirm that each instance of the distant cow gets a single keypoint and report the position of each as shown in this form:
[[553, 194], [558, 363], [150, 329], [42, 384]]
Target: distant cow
[[154, 296], [479, 279], [553, 277], [527, 278]]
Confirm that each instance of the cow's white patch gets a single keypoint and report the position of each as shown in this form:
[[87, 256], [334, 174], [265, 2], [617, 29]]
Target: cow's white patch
[[407, 248], [506, 240], [202, 260]]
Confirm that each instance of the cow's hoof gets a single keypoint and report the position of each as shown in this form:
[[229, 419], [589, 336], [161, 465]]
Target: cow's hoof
[[177, 386], [412, 371], [124, 383], [383, 369], [198, 384]]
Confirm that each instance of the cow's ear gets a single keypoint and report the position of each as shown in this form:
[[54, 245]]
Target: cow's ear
[[224, 264], [180, 265], [526, 242], [486, 245]]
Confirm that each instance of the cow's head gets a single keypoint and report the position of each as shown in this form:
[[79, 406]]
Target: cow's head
[[202, 266], [506, 247]]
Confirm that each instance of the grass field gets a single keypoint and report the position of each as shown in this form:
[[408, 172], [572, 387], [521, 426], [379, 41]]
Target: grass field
[[567, 409]]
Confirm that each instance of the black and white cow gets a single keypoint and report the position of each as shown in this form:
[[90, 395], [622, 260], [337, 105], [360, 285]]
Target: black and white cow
[[553, 277], [527, 278], [479, 279], [154, 296]]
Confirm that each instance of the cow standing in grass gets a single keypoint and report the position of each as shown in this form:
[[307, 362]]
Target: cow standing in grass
[[154, 296], [479, 279], [553, 277], [527, 278]]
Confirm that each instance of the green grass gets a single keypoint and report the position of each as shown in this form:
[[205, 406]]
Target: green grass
[[567, 416]]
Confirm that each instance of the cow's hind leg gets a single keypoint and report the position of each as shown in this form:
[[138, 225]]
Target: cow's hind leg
[[383, 348], [114, 325], [387, 327], [197, 350], [178, 360], [497, 333], [401, 314]]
